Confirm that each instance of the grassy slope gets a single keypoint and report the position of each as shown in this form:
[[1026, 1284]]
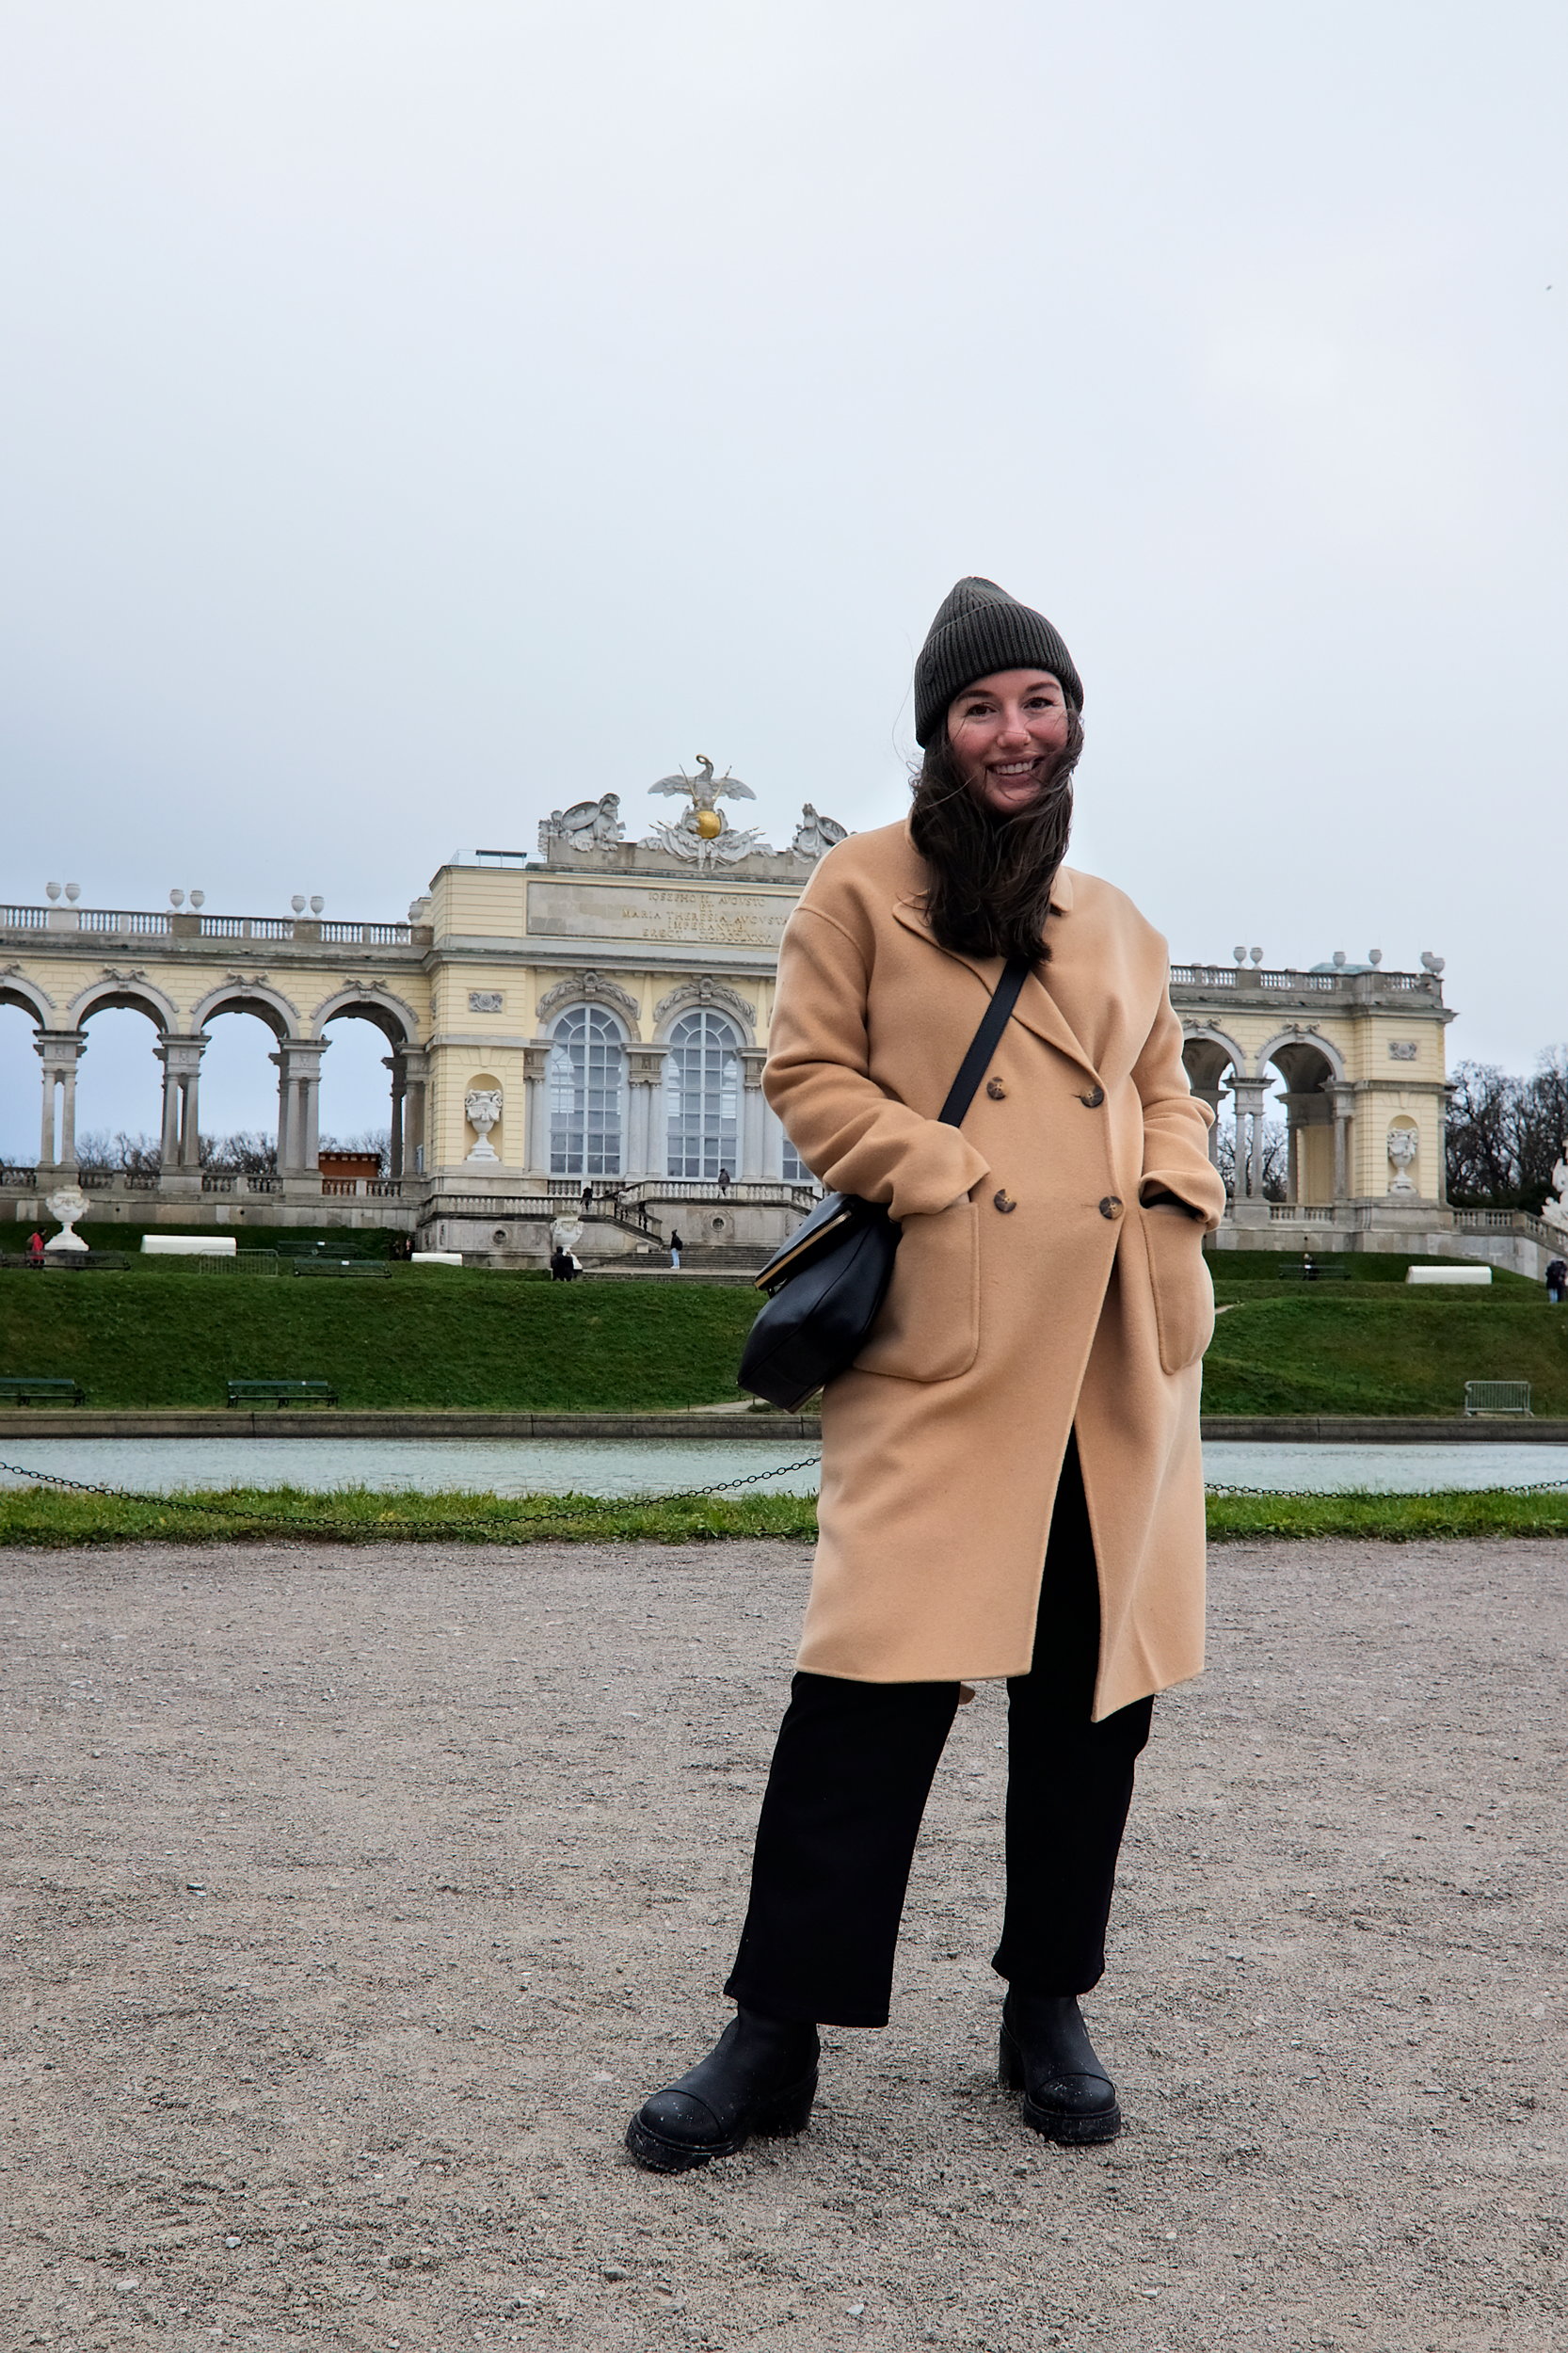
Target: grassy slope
[[161, 1334], [430, 1337], [1348, 1349]]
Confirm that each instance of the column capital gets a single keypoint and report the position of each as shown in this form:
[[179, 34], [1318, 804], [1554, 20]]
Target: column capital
[[59, 1049], [645, 1065], [753, 1058], [182, 1053]]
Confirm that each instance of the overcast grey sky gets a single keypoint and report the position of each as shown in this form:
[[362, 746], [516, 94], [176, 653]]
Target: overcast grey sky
[[416, 416]]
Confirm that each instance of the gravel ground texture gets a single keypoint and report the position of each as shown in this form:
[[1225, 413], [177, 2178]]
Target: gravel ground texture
[[353, 1899]]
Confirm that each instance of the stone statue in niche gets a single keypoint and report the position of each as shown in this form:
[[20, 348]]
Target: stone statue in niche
[[482, 1109], [586, 825], [815, 835], [1403, 1145]]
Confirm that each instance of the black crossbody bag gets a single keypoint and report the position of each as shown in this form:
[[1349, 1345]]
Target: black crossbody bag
[[825, 1286]]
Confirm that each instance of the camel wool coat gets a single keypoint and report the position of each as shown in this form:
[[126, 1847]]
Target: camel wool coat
[[1034, 1291]]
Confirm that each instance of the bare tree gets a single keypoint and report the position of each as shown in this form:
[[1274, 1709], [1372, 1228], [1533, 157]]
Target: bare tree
[[1506, 1134], [1273, 1157]]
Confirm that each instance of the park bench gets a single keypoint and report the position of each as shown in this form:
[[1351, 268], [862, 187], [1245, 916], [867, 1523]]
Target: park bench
[[1321, 1270], [341, 1266], [21, 1388], [1498, 1397], [281, 1393]]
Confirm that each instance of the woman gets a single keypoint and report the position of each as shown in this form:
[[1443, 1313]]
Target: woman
[[1029, 1393]]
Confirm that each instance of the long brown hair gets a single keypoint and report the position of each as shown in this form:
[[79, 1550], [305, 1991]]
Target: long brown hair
[[990, 877]]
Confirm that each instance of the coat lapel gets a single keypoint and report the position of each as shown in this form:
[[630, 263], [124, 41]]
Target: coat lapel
[[1036, 1008]]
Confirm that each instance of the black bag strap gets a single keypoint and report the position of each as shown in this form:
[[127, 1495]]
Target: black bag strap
[[987, 1039]]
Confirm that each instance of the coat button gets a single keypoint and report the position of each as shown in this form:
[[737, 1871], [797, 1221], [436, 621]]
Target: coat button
[[1093, 1100], [1110, 1207], [1004, 1202], [995, 1089]]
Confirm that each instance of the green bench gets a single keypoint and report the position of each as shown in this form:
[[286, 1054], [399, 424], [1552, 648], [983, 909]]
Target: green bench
[[20, 1388], [1329, 1270], [281, 1393], [341, 1266]]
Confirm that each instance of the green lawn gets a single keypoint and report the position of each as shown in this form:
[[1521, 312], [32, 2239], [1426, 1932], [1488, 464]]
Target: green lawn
[[44, 1518], [436, 1337], [428, 1337]]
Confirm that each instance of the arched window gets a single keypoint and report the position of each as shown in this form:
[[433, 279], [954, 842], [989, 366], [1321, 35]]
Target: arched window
[[587, 1076], [703, 1095]]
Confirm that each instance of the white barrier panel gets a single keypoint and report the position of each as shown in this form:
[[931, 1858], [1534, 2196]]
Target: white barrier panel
[[437, 1257], [189, 1245], [1447, 1275]]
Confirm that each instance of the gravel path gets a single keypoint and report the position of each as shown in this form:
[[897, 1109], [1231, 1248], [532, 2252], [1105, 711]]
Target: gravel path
[[353, 1899]]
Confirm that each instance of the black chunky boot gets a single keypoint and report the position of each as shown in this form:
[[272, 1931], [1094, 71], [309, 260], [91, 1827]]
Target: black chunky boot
[[760, 2076], [1048, 2056]]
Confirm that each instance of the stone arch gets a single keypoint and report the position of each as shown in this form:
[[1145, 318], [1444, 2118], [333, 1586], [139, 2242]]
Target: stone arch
[[1313, 1069], [1298, 1041], [27, 996], [1207, 1054], [591, 988], [702, 991], [360, 1001], [129, 990], [267, 1003]]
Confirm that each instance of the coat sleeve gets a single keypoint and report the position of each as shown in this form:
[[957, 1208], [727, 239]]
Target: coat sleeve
[[1175, 1123], [850, 1134]]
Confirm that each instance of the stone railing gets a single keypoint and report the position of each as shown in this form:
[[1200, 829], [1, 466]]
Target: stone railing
[[1238, 979], [167, 924]]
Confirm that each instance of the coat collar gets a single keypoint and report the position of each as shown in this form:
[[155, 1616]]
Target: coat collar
[[1036, 1008]]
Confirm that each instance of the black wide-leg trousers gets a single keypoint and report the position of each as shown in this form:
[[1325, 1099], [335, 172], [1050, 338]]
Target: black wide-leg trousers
[[850, 1777]]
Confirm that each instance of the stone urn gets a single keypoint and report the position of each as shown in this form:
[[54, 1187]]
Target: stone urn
[[482, 1108], [68, 1205], [1403, 1145]]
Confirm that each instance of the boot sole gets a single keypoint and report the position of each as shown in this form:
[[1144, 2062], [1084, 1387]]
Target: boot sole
[[1065, 2126], [787, 2115]]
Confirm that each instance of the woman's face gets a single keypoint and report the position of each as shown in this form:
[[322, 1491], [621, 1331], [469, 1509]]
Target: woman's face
[[1008, 732]]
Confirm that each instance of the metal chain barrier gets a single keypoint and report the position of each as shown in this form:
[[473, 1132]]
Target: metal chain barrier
[[570, 1511], [574, 1509], [1534, 1487]]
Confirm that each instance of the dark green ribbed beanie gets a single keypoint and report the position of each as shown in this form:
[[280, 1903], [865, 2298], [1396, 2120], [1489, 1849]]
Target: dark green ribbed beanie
[[978, 630]]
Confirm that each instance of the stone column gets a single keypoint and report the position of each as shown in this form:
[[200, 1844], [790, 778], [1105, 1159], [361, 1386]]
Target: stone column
[[1212, 1097], [411, 1066], [536, 1108], [181, 1146], [59, 1051], [394, 1124], [298, 1065], [1248, 1095], [753, 1107], [1342, 1097], [645, 1070]]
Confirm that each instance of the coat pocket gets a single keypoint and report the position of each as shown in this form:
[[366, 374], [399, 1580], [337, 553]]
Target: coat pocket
[[929, 1327], [1183, 1291]]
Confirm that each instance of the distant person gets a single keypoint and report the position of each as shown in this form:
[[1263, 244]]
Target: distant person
[[676, 1246], [588, 1199], [1020, 1435], [724, 1180], [1309, 1267], [563, 1266], [34, 1246], [1557, 1281]]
